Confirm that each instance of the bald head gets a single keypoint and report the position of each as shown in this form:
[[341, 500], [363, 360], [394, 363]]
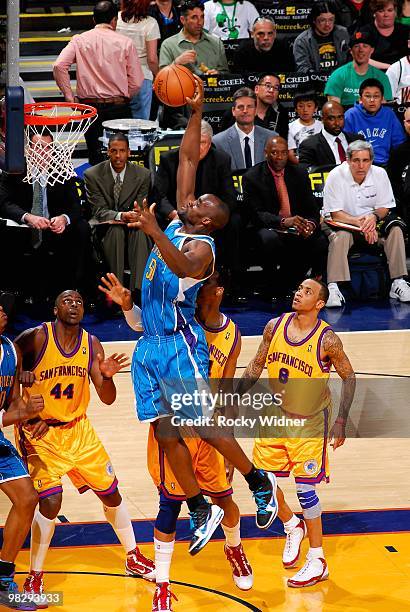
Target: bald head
[[333, 117], [276, 153]]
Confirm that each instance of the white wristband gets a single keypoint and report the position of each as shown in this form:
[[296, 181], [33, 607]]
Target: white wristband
[[133, 318], [1, 418]]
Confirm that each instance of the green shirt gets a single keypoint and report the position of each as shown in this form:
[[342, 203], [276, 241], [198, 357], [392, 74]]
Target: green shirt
[[344, 83], [209, 49]]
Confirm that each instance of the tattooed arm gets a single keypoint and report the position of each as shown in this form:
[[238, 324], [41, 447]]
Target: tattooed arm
[[333, 348], [255, 368]]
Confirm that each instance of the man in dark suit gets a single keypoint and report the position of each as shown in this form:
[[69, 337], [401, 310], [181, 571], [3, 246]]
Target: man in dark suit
[[283, 210], [328, 147], [244, 141], [55, 216], [112, 187], [214, 176]]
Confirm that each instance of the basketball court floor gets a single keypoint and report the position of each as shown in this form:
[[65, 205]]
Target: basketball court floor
[[366, 511]]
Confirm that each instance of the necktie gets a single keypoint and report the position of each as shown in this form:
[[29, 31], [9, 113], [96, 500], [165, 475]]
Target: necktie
[[117, 189], [37, 206], [37, 209], [283, 196], [247, 152], [340, 149]]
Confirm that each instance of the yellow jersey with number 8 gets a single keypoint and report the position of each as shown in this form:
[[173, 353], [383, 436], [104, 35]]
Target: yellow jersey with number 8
[[62, 378], [296, 371]]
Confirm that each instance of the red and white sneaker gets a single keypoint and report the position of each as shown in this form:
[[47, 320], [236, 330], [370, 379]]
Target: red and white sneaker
[[163, 598], [241, 570], [311, 573], [137, 564], [293, 543], [34, 584]]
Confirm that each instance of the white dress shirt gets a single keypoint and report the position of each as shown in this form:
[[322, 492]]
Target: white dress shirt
[[251, 137], [341, 192], [331, 141]]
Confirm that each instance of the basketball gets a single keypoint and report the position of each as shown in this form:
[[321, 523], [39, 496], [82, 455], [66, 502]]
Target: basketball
[[173, 84]]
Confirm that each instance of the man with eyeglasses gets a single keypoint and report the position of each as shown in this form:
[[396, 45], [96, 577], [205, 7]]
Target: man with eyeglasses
[[323, 46], [269, 112], [263, 52], [377, 123]]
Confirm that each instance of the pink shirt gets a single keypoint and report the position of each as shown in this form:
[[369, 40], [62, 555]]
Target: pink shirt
[[107, 65]]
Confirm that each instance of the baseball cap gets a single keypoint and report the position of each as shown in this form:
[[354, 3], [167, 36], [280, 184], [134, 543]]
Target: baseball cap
[[362, 36]]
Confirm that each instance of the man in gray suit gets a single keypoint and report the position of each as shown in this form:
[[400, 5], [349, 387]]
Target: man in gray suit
[[112, 187], [244, 141]]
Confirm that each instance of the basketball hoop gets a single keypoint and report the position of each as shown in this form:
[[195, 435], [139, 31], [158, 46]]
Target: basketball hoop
[[65, 123]]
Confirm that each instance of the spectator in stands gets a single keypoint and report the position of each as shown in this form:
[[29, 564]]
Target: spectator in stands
[[360, 194], [399, 77], [167, 14], [112, 187], [376, 123], [135, 22], [323, 46], [397, 169], [263, 53], [192, 47], [305, 125], [403, 12], [270, 114], [213, 175], [283, 209], [230, 19], [55, 216], [329, 146], [390, 38], [108, 72], [244, 141], [343, 84], [353, 14]]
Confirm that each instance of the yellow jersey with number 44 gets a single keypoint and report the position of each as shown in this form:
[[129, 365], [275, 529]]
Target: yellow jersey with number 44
[[296, 371], [63, 378]]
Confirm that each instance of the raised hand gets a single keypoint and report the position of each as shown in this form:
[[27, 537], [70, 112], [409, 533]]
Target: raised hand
[[113, 364], [147, 221], [197, 100], [116, 291]]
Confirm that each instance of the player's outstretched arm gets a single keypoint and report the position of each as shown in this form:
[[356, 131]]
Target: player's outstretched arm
[[333, 348], [192, 261], [115, 290], [255, 367], [103, 369], [189, 149]]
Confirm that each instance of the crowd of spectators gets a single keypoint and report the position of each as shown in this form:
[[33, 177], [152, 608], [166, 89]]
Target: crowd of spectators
[[259, 158]]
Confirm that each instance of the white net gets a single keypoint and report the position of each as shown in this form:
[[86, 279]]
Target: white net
[[49, 147]]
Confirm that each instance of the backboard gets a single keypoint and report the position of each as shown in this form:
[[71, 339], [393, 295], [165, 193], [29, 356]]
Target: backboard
[[11, 94]]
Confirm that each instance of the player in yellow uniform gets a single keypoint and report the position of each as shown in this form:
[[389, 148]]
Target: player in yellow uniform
[[63, 358], [224, 342], [298, 350]]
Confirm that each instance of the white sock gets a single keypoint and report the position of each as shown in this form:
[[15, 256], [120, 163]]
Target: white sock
[[315, 553], [163, 558], [334, 285], [120, 521], [232, 534], [42, 530], [291, 523]]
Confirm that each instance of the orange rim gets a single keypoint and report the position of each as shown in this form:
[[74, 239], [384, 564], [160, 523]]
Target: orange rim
[[31, 118]]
